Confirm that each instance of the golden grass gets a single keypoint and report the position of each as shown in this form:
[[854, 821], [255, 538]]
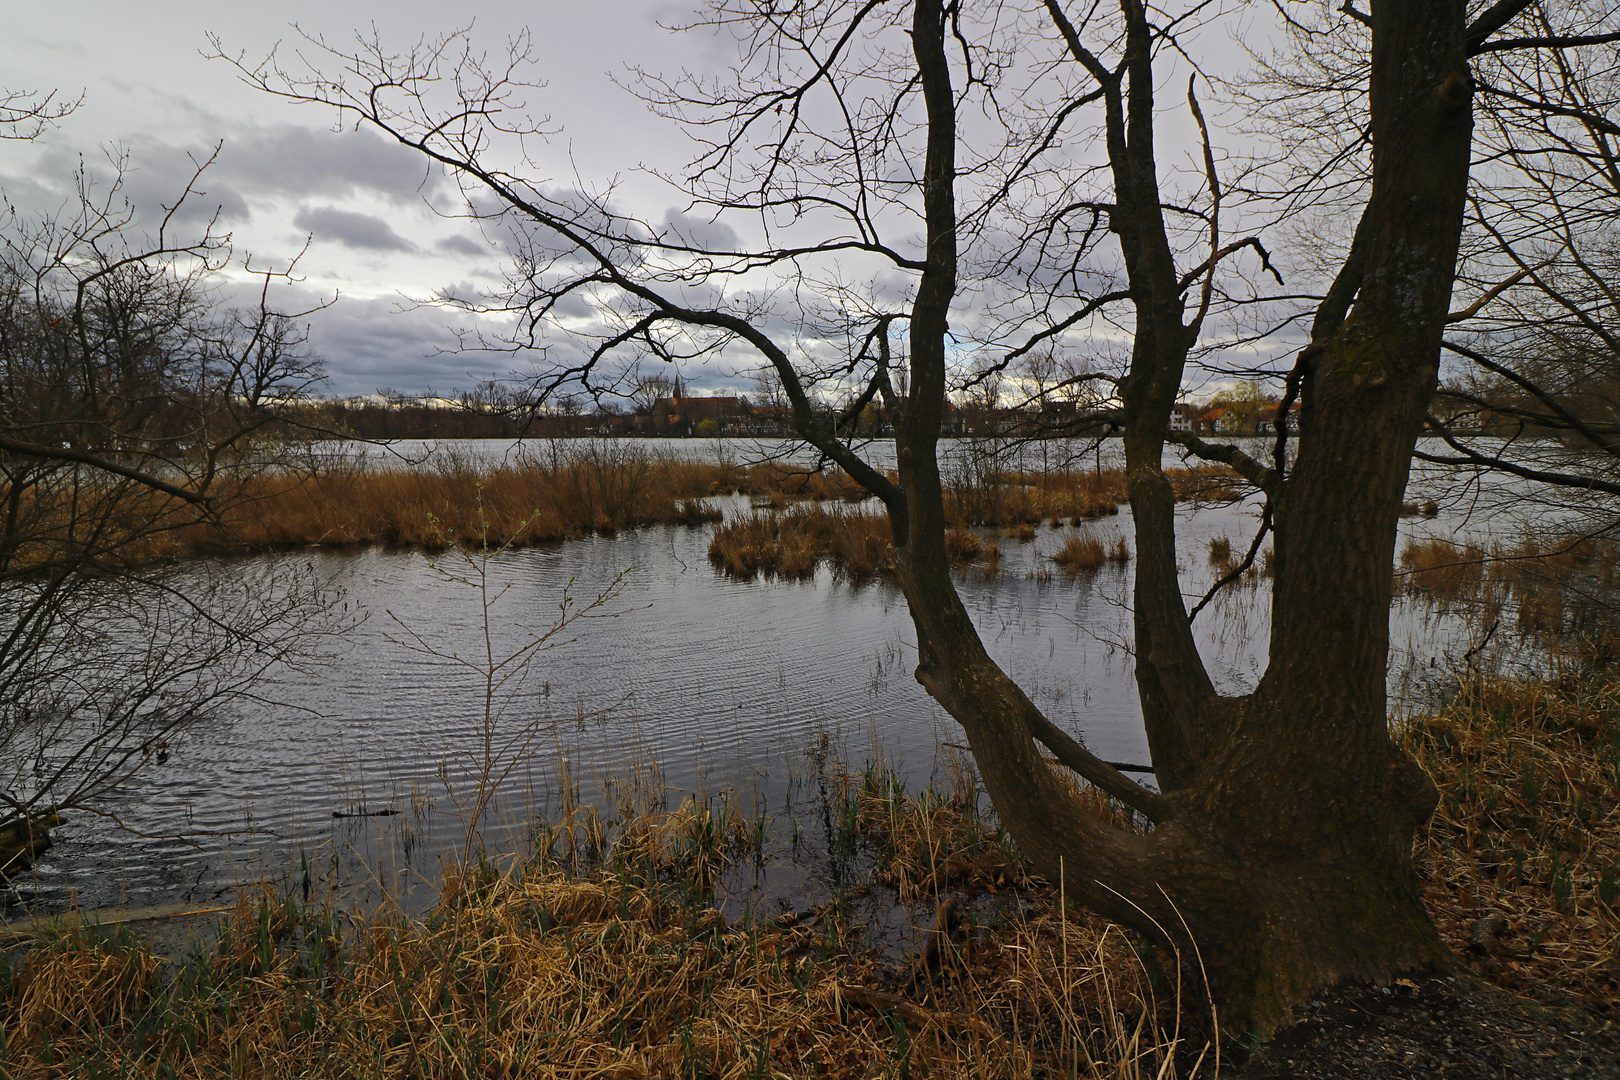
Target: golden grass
[[582, 486], [1017, 499], [791, 543], [1086, 552], [1555, 587], [517, 504], [620, 969], [1442, 569], [1528, 827]]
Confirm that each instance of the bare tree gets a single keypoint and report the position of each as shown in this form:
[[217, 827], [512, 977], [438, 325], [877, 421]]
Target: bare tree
[[1539, 352], [133, 407], [921, 144]]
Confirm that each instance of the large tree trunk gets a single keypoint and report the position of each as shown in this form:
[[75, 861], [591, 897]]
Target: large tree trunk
[[1282, 848]]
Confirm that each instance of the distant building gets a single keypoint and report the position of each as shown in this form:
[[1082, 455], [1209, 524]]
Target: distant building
[[681, 415]]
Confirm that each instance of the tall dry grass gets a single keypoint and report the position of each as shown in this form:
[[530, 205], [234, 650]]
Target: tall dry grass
[[586, 486], [1083, 551], [792, 543], [1522, 857], [518, 504], [620, 967], [1010, 499], [1555, 587], [578, 487], [1442, 569]]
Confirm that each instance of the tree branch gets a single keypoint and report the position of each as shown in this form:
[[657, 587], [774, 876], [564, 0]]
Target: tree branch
[[1491, 20], [34, 450], [1102, 775], [1247, 467]]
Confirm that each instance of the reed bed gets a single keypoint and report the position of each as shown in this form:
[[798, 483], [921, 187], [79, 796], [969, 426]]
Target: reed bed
[[1554, 587], [1441, 569], [612, 963], [585, 488], [1084, 552], [1011, 499], [790, 539], [792, 543], [522, 504], [1522, 858], [579, 487]]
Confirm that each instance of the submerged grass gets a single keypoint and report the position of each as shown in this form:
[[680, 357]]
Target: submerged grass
[[601, 957]]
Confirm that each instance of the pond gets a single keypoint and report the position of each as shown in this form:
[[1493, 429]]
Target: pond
[[682, 681]]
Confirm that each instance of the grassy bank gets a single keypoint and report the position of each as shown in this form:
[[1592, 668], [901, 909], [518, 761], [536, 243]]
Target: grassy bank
[[602, 955], [1522, 859]]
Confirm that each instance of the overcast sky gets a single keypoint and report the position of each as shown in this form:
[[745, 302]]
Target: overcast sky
[[284, 176]]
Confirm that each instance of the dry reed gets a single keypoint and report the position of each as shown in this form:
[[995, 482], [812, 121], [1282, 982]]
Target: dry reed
[[584, 486], [1522, 858], [1086, 552], [1015, 499], [619, 968], [1442, 569], [792, 543]]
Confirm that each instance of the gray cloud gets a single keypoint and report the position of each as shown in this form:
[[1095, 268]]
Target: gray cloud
[[302, 161], [692, 231], [351, 229], [464, 245], [370, 344], [255, 162]]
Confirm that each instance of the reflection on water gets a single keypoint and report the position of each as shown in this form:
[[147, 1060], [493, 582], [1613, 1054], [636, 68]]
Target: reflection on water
[[695, 684]]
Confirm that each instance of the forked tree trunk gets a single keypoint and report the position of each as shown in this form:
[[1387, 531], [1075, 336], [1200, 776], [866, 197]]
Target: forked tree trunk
[[1282, 848]]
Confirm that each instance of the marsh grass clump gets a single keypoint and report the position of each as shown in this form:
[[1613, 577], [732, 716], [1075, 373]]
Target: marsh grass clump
[[1205, 483], [1083, 551], [575, 487], [1442, 569], [1522, 856], [1555, 588], [792, 543], [529, 502], [613, 961], [1014, 500]]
